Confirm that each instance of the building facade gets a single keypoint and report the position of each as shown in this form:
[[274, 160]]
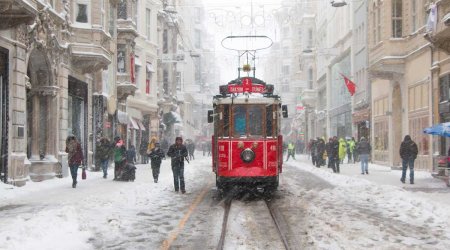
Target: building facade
[[54, 63], [400, 73]]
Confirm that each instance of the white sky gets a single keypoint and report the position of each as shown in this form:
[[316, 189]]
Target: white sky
[[234, 17]]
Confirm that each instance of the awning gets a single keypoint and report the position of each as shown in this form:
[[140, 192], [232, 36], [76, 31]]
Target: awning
[[150, 67], [141, 126], [133, 124], [122, 117], [137, 62]]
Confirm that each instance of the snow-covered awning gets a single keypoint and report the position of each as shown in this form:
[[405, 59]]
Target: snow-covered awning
[[137, 61], [122, 117], [133, 124], [139, 123], [150, 67]]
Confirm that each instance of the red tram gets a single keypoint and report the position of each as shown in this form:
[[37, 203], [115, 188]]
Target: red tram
[[247, 144]]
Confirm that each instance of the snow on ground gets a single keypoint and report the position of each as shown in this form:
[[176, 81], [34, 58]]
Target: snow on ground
[[376, 210], [360, 211], [99, 213]]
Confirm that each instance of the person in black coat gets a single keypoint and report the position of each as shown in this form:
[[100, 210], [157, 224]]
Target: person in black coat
[[408, 153], [320, 147], [333, 154], [156, 155], [177, 152], [131, 154]]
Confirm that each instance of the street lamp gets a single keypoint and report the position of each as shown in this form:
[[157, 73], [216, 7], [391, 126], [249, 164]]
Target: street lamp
[[338, 3]]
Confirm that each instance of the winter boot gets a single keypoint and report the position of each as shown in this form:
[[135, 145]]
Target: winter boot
[[74, 184], [402, 180]]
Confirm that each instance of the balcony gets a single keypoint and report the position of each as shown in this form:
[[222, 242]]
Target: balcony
[[126, 29], [308, 97], [125, 87], [441, 36], [90, 49], [89, 57], [16, 12]]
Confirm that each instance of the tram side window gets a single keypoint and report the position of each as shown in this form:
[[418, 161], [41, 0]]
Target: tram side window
[[255, 117], [269, 121], [239, 120], [226, 121]]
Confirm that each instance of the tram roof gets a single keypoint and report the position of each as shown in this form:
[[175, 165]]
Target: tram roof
[[248, 99]]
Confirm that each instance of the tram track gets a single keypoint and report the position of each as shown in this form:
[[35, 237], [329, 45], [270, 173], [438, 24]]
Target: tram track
[[278, 220]]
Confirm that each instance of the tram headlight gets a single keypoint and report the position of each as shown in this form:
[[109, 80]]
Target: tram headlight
[[247, 155]]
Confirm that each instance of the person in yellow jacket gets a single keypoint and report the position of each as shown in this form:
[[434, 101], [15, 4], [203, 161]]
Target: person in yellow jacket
[[342, 149], [291, 150], [350, 150]]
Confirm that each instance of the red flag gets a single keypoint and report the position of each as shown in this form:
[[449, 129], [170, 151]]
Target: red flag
[[351, 86]]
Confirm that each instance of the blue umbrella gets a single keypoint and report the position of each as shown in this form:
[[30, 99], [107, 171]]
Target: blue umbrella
[[442, 129]]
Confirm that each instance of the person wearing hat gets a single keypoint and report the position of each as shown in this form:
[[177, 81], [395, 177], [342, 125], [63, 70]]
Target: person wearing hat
[[177, 152], [156, 155]]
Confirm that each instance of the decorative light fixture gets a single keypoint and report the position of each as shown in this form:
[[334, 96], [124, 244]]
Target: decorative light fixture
[[338, 3]]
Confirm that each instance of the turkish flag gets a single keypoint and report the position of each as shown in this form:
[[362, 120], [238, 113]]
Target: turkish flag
[[351, 86]]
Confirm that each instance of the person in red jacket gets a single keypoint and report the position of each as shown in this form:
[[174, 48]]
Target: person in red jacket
[[75, 157]]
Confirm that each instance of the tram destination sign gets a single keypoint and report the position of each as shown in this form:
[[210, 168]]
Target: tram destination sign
[[246, 86]]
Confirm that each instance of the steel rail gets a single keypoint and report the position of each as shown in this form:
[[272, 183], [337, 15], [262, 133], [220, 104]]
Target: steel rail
[[227, 203], [280, 223]]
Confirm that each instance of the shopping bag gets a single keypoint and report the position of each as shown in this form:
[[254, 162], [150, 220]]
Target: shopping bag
[[83, 174]]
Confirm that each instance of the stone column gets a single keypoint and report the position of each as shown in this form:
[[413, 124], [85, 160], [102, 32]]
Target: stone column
[[35, 128]]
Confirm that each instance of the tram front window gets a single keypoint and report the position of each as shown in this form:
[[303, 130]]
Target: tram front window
[[255, 118], [248, 120], [240, 124]]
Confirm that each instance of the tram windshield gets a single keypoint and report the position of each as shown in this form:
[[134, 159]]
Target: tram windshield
[[248, 120]]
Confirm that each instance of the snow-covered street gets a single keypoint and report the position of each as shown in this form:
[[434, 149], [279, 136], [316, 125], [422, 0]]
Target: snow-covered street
[[323, 210]]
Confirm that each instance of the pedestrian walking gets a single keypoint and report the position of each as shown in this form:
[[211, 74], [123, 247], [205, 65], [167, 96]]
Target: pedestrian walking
[[320, 151], [364, 150], [330, 153], [291, 150], [408, 153], [350, 149], [334, 148], [103, 153], [143, 152], [190, 146], [209, 147], [131, 154], [313, 150], [355, 152], [156, 155], [337, 162], [75, 157], [120, 156], [177, 152], [342, 150]]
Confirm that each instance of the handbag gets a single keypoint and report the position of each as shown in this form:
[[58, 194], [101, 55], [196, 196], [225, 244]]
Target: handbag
[[83, 174]]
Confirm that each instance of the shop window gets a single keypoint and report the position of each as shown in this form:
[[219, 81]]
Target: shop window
[[444, 90], [381, 140], [416, 126]]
